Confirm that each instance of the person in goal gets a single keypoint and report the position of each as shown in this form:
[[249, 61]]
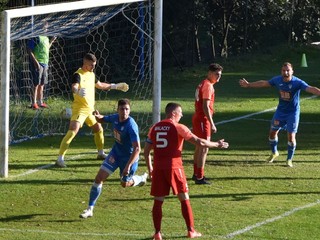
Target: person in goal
[[39, 49], [83, 87]]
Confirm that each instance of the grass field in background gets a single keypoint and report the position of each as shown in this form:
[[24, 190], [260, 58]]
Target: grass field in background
[[249, 198]]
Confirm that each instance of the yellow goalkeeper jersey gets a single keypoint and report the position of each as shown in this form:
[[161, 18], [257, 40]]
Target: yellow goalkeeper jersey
[[87, 81]]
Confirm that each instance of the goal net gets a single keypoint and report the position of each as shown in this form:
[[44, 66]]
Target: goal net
[[121, 34]]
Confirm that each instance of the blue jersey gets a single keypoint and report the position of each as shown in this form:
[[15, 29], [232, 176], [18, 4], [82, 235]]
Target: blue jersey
[[289, 94], [124, 133]]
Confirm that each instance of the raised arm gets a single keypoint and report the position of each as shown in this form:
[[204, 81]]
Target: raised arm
[[258, 84], [313, 90], [52, 40], [117, 86]]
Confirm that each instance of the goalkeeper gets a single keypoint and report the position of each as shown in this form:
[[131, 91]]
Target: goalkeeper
[[83, 87]]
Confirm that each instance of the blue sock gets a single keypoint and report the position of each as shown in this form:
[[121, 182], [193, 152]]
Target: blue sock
[[291, 150], [274, 145], [94, 194]]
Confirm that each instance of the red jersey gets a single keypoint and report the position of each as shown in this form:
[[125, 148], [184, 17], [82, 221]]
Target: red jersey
[[205, 90], [167, 140]]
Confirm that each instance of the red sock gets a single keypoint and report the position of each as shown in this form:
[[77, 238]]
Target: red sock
[[200, 173], [195, 168], [187, 214], [157, 215]]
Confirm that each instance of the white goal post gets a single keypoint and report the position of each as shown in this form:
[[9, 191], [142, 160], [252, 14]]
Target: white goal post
[[143, 80]]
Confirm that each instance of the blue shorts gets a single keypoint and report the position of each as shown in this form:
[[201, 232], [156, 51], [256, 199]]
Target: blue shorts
[[112, 162], [285, 121]]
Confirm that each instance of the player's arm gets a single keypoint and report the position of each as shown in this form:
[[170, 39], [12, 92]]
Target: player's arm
[[116, 86], [147, 156], [31, 45], [185, 132], [205, 143], [206, 110], [34, 60], [75, 86], [52, 40], [313, 90], [133, 157], [258, 84], [98, 116]]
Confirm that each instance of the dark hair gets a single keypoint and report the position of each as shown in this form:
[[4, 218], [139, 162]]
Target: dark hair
[[214, 67], [90, 57], [171, 107], [287, 64], [124, 101]]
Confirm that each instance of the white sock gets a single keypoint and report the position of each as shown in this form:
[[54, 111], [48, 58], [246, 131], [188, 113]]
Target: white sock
[[90, 208], [136, 180], [100, 152]]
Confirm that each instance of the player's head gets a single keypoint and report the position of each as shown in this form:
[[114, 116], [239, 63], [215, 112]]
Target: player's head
[[89, 62], [287, 71], [123, 109], [214, 72], [174, 111]]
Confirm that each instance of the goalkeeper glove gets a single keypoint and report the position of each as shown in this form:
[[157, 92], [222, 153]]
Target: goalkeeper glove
[[81, 92], [120, 86]]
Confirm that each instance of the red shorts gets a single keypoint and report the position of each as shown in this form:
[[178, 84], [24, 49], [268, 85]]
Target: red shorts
[[201, 127], [164, 179]]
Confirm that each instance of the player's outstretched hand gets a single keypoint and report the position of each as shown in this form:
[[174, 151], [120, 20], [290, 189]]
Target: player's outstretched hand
[[223, 144], [95, 112], [98, 116], [122, 87], [243, 83]]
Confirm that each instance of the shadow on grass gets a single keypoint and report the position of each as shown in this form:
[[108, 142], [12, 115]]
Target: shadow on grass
[[249, 195], [78, 181], [21, 217]]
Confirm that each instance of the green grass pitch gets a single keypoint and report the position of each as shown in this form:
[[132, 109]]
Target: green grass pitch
[[249, 198]]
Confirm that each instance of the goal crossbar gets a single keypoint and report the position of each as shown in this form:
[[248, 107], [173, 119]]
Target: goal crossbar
[[62, 7]]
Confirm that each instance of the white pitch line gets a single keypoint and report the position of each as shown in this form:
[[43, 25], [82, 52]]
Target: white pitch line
[[256, 113], [270, 220], [245, 116], [32, 171], [42, 167]]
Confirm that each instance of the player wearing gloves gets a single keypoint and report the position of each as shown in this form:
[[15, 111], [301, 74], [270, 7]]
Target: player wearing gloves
[[83, 87]]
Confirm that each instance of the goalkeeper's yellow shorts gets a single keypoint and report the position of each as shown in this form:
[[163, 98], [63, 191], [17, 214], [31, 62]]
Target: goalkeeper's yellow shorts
[[83, 115]]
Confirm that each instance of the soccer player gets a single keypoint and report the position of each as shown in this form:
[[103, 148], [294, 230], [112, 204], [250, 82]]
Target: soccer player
[[124, 154], [166, 139], [38, 48], [202, 120], [83, 87], [287, 114]]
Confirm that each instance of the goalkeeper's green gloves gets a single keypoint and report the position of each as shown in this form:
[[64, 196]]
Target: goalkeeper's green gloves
[[120, 86]]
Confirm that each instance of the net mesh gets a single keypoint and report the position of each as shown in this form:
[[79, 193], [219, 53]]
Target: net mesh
[[120, 36]]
